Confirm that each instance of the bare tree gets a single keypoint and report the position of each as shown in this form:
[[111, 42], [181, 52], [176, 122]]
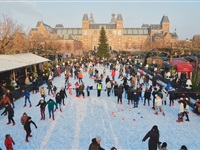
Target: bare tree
[[8, 30]]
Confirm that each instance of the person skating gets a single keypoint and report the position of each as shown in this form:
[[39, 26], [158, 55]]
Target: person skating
[[42, 92], [76, 88], [5, 100], [11, 97], [88, 88], [24, 118], [95, 145], [63, 95], [183, 110], [129, 95], [9, 142], [58, 101], [27, 97], [80, 90], [147, 96], [51, 105], [135, 99], [50, 86], [155, 91], [108, 87], [42, 104], [27, 128], [10, 111], [153, 136], [163, 146]]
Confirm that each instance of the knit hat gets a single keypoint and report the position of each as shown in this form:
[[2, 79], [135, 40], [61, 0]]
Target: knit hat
[[29, 118], [183, 147], [155, 127], [98, 139]]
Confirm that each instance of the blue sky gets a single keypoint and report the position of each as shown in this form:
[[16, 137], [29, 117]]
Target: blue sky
[[183, 15]]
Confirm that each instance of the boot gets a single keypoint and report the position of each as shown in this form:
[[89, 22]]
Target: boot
[[187, 120], [165, 102], [163, 114], [30, 105], [30, 136], [53, 119], [26, 140], [8, 123], [24, 105], [13, 123], [156, 113], [148, 104], [60, 110]]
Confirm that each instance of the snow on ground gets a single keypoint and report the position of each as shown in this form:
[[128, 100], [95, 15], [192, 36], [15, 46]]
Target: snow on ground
[[84, 119]]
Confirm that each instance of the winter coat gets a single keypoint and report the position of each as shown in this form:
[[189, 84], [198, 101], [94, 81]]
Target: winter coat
[[26, 93], [51, 104], [133, 81], [63, 93], [10, 96], [183, 107], [154, 81], [49, 85], [24, 119], [42, 92], [135, 97], [8, 143], [129, 94], [125, 80], [5, 100], [113, 73], [119, 91], [27, 125], [58, 98], [107, 79], [42, 104], [81, 88], [10, 111], [147, 94], [153, 136], [158, 101], [108, 85], [94, 145]]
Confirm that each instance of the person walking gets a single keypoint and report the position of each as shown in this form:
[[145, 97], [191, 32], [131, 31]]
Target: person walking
[[58, 101], [158, 105], [10, 111], [42, 104], [27, 128], [80, 90], [147, 96], [153, 136], [50, 86], [119, 94], [108, 87], [8, 142], [76, 88]]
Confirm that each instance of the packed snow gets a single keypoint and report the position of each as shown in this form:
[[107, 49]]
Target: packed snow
[[121, 126]]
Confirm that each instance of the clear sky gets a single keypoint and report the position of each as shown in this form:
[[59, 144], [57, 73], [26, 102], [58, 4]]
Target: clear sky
[[184, 16]]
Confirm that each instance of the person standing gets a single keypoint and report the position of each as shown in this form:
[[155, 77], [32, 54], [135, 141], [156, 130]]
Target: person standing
[[76, 88], [158, 105], [27, 128], [147, 96], [63, 94], [119, 94], [135, 99], [108, 87], [27, 97], [99, 88], [42, 104], [51, 105], [88, 88], [153, 136], [10, 111], [5, 100], [95, 145], [50, 86], [8, 142]]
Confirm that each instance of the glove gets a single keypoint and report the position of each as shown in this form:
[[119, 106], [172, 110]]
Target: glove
[[13, 143]]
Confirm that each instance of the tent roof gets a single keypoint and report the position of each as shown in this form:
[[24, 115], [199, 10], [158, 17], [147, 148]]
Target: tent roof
[[184, 67], [15, 61]]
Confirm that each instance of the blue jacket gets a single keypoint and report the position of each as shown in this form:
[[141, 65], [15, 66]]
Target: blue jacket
[[26, 93]]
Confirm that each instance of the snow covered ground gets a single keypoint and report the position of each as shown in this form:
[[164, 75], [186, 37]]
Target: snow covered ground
[[84, 119]]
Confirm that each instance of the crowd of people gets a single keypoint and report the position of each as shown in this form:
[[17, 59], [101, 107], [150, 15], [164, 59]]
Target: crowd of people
[[134, 86]]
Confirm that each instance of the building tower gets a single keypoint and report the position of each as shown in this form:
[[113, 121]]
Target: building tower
[[165, 24], [85, 30], [119, 27]]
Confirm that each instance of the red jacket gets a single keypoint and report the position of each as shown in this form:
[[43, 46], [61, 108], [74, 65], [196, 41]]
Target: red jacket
[[8, 143], [113, 73]]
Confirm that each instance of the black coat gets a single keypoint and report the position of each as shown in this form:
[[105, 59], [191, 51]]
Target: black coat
[[94, 145], [154, 81], [147, 94], [27, 125], [42, 104], [153, 136], [129, 94], [63, 93], [58, 98]]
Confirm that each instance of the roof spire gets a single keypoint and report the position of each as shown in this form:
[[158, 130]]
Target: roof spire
[[113, 19], [91, 18], [85, 17], [119, 17]]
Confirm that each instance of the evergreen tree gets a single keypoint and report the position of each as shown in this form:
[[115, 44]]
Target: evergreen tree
[[103, 49]]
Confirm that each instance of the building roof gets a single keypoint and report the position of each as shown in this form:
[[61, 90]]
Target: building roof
[[164, 19], [85, 17], [155, 27], [135, 31], [145, 25], [106, 26], [59, 26], [119, 17], [15, 61]]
